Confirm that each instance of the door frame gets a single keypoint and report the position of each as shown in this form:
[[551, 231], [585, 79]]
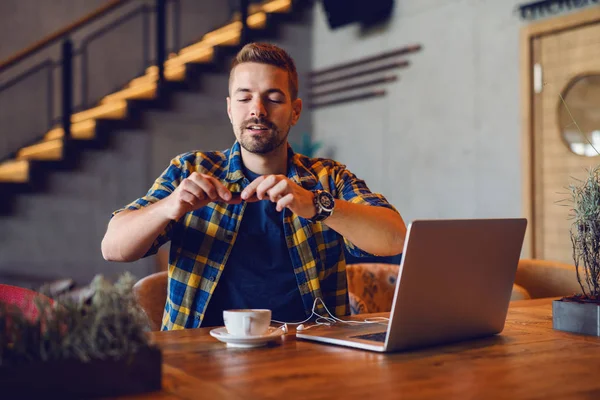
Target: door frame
[[528, 34]]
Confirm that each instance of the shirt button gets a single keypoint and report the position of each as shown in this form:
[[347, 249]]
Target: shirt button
[[212, 279], [229, 236], [197, 317]]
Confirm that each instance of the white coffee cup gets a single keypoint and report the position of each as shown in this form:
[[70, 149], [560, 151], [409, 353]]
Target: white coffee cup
[[250, 322]]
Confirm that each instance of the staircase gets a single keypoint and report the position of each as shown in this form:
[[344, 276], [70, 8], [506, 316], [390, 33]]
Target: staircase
[[56, 195], [28, 169]]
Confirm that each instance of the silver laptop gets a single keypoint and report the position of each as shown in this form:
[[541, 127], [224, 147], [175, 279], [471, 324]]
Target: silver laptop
[[454, 283]]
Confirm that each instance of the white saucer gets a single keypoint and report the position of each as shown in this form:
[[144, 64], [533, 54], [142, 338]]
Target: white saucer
[[246, 341]]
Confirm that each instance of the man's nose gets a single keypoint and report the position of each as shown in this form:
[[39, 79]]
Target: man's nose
[[258, 109]]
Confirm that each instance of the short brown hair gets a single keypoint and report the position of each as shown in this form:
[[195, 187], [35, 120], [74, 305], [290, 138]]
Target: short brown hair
[[265, 53]]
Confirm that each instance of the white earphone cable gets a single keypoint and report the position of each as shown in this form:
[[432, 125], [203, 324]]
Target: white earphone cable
[[332, 319]]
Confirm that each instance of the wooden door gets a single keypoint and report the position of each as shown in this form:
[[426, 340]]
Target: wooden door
[[565, 118]]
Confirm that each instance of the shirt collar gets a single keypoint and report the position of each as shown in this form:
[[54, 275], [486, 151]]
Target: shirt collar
[[235, 166], [296, 169]]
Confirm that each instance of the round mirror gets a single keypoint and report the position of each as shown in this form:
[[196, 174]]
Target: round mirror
[[579, 115]]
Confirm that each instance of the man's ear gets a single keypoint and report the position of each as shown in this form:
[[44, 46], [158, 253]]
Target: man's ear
[[229, 109], [296, 110]]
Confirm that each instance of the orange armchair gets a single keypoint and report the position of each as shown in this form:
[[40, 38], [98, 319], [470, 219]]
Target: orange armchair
[[372, 285], [151, 294]]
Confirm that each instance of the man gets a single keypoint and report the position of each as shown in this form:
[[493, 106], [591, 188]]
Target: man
[[255, 226]]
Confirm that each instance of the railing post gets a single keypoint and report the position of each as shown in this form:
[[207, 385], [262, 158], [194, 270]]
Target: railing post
[[161, 38], [67, 86], [244, 19]]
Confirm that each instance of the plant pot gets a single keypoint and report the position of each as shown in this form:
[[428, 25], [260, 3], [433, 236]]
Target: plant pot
[[576, 317], [137, 373]]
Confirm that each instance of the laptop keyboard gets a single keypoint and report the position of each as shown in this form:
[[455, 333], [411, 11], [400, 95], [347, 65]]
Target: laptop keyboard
[[375, 337]]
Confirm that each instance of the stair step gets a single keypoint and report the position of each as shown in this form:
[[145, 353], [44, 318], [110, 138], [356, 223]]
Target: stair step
[[112, 110], [229, 35], [142, 91], [200, 53], [271, 7], [257, 21], [221, 36], [278, 6], [49, 150], [84, 130], [173, 73], [14, 171]]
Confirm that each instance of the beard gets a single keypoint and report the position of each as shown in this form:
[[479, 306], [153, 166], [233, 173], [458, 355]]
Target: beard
[[269, 140]]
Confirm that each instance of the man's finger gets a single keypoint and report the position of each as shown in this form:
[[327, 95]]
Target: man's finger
[[279, 190], [265, 185], [234, 200], [250, 190], [189, 186], [205, 184], [285, 201], [189, 198], [222, 191]]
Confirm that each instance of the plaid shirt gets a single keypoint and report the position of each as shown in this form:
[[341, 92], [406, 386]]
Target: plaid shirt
[[201, 241]]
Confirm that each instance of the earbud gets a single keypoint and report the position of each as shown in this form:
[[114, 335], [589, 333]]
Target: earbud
[[300, 327]]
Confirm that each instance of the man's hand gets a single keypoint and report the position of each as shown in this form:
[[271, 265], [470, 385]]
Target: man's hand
[[195, 192], [283, 191]]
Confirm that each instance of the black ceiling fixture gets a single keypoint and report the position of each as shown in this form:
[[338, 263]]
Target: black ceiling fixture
[[367, 13]]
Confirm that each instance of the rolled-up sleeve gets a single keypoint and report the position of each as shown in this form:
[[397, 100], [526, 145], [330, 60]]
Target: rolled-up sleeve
[[355, 190]]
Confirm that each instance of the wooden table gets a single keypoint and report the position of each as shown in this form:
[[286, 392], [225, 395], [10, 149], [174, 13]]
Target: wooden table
[[529, 360]]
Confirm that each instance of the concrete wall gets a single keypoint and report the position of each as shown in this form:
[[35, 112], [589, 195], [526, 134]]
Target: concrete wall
[[25, 22], [445, 141], [58, 233]]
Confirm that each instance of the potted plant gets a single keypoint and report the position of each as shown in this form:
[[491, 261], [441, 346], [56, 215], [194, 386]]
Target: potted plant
[[580, 313], [87, 346]]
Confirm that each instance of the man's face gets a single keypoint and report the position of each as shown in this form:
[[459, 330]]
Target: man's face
[[260, 107]]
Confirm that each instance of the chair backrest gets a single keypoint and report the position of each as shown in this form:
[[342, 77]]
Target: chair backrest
[[374, 284], [151, 294], [545, 278], [23, 299], [371, 287]]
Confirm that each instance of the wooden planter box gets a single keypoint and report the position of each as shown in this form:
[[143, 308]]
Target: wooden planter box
[[576, 317], [139, 373]]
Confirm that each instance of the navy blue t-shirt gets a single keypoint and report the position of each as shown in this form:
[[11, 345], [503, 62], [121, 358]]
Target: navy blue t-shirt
[[259, 271]]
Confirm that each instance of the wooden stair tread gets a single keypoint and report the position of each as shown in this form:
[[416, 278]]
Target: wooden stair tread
[[112, 110], [84, 130], [197, 53], [277, 6], [14, 171], [143, 91], [175, 73], [49, 150]]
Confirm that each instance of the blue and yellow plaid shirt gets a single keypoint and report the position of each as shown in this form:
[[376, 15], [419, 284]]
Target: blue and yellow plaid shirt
[[201, 241]]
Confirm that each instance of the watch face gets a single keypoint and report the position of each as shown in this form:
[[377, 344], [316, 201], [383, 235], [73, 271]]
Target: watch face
[[325, 201]]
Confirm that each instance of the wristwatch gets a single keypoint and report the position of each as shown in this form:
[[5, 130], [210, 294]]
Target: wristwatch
[[324, 205]]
